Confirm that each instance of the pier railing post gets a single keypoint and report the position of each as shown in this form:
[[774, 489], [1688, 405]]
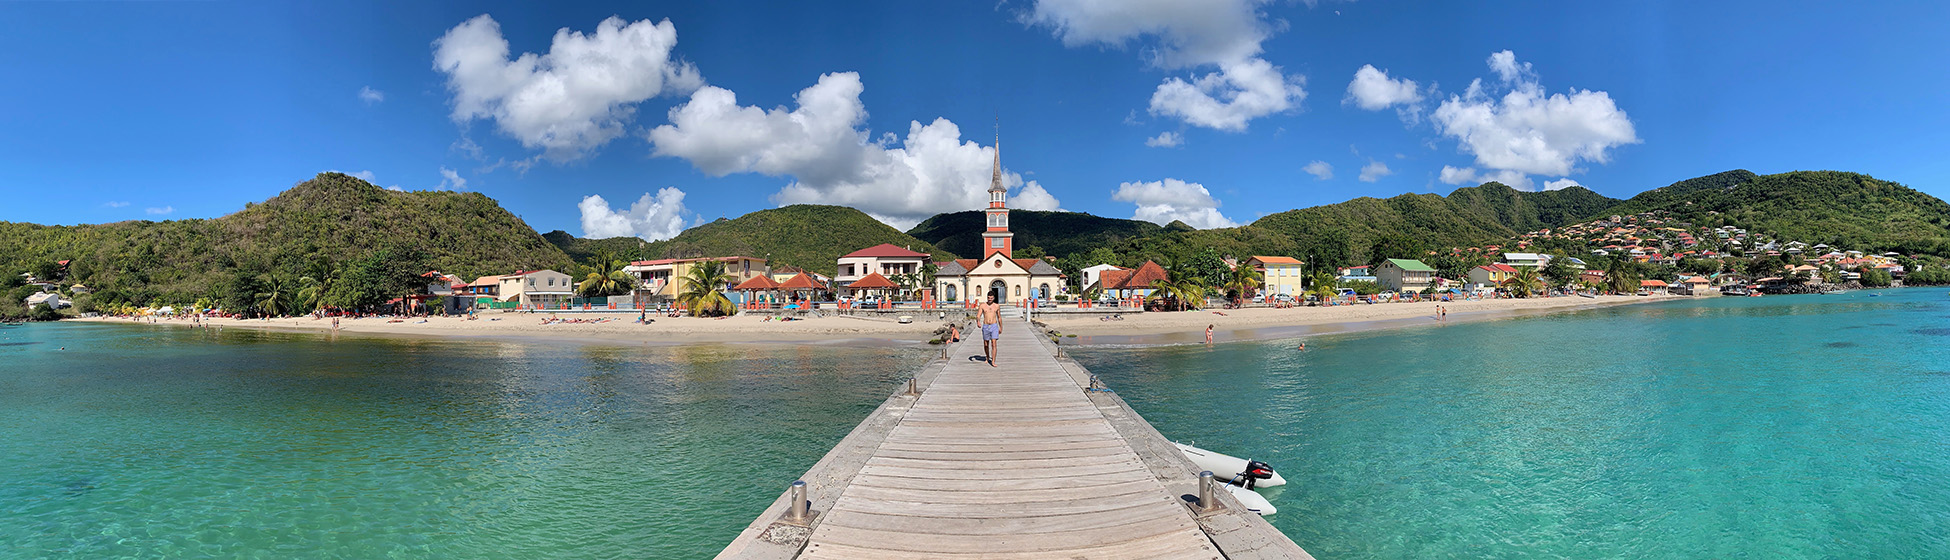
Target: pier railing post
[[799, 511], [1206, 501], [914, 386]]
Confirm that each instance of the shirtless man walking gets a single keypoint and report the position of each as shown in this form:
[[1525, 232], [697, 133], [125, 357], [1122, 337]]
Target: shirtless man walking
[[989, 316]]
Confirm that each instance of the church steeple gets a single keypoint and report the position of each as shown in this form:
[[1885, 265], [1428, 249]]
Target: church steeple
[[997, 238]]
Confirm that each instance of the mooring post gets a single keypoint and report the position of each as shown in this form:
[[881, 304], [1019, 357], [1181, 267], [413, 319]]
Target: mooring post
[[914, 386], [1206, 502], [798, 512]]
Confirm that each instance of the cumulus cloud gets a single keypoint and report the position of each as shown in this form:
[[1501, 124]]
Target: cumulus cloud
[[1320, 170], [571, 100], [159, 211], [1559, 184], [1528, 131], [652, 218], [1161, 202], [1373, 90], [1469, 176], [1223, 34], [822, 146], [450, 180], [116, 203], [1374, 171], [371, 96], [1166, 139]]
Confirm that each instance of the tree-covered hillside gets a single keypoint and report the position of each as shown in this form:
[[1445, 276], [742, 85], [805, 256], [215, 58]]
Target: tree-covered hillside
[[807, 236], [312, 229], [1840, 209], [1056, 233]]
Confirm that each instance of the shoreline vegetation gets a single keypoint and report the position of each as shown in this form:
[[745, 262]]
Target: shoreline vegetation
[[1137, 328]]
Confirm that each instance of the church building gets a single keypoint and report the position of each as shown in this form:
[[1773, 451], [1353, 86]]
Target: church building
[[997, 273]]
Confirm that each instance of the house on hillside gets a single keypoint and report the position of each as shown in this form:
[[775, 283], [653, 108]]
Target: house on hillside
[[1404, 275], [537, 288], [1279, 275], [50, 299], [1529, 260]]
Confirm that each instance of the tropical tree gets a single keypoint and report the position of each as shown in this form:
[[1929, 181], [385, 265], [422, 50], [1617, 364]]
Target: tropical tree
[[1621, 277], [1524, 282], [1241, 280], [928, 272], [274, 294], [1322, 286], [1559, 272], [310, 295], [698, 290], [606, 277], [1182, 283]]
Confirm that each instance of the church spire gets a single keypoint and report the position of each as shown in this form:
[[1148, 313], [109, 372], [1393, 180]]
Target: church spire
[[995, 178]]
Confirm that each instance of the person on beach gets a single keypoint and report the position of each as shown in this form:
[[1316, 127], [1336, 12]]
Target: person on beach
[[1208, 333], [954, 333], [989, 316]]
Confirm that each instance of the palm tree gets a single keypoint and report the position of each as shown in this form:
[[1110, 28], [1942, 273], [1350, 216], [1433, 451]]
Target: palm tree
[[606, 276], [1523, 282], [276, 296], [1621, 278], [311, 294], [1181, 285], [1323, 287], [698, 290], [1242, 279], [928, 272]]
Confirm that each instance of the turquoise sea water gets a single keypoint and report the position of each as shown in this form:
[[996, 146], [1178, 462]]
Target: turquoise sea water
[[168, 442], [1776, 427]]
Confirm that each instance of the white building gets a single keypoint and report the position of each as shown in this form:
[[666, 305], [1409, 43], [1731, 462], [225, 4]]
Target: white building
[[537, 287], [885, 259], [1093, 274]]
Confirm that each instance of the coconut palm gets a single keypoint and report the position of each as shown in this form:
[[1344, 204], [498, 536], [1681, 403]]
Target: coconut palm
[[698, 290], [1621, 277], [1323, 287], [1243, 279], [1180, 284], [1524, 282], [277, 294], [606, 276]]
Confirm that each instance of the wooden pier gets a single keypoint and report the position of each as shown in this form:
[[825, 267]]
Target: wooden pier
[[1024, 460]]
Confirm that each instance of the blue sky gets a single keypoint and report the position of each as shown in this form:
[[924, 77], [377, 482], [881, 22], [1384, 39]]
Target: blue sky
[[1211, 112]]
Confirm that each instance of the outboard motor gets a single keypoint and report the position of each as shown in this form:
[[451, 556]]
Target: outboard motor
[[1255, 471]]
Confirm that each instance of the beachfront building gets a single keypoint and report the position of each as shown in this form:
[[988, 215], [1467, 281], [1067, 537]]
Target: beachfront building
[[537, 287], [1530, 260], [1489, 277], [1355, 274], [997, 274], [1092, 274], [660, 279], [1279, 275], [886, 259], [1654, 287], [1404, 275], [1133, 283], [50, 299]]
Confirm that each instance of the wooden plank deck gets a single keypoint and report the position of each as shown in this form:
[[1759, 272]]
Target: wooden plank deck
[[1016, 461]]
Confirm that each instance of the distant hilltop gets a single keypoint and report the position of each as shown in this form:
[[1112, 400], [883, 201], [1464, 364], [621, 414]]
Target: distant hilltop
[[333, 219]]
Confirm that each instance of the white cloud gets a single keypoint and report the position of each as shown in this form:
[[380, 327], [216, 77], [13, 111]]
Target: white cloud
[[450, 180], [366, 176], [651, 218], [116, 203], [571, 100], [371, 96], [1469, 176], [820, 144], [159, 211], [1166, 139], [1559, 184], [1226, 34], [1161, 202], [1373, 90], [1531, 132], [1374, 171], [1320, 170]]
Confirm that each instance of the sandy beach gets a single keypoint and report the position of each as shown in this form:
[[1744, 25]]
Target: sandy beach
[[1135, 328]]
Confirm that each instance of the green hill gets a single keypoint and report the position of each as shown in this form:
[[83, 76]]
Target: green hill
[[1486, 214], [1056, 233], [315, 226], [803, 235], [1842, 209]]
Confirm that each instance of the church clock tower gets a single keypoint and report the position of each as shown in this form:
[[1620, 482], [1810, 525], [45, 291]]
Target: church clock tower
[[997, 239]]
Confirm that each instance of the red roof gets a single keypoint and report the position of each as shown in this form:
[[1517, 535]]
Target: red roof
[[802, 281], [1143, 277], [884, 250], [760, 282], [1110, 279], [1652, 283], [1277, 260], [873, 281], [1498, 267]]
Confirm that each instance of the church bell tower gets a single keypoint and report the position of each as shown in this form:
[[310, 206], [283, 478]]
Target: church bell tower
[[997, 239]]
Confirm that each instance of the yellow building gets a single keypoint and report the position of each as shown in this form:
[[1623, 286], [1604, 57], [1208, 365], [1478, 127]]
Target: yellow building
[[1279, 275]]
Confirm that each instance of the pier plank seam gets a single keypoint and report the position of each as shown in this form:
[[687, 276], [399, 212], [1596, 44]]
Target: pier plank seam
[[1009, 462]]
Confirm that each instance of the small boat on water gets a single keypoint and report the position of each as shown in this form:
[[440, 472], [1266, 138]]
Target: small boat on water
[[1239, 475]]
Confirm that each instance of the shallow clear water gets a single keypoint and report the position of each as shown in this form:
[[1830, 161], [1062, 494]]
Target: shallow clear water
[[1776, 427], [166, 442]]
